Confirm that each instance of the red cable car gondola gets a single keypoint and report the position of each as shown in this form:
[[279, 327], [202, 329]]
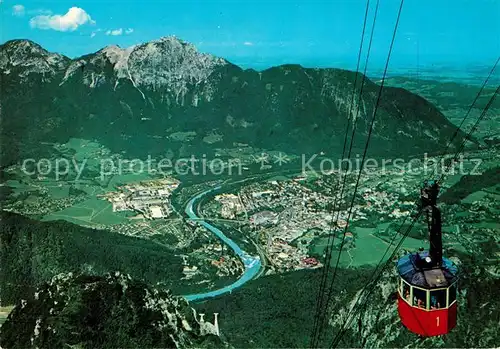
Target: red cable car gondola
[[427, 295]]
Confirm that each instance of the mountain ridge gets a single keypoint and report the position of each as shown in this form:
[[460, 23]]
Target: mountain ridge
[[143, 93]]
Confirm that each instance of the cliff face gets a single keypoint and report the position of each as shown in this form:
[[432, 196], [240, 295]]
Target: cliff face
[[133, 99], [104, 312]]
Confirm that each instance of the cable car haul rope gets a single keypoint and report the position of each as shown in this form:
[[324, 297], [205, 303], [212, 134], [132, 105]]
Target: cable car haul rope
[[427, 287]]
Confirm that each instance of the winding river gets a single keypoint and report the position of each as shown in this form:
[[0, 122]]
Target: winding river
[[252, 264]]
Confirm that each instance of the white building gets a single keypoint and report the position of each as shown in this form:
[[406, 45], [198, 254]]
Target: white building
[[156, 212]]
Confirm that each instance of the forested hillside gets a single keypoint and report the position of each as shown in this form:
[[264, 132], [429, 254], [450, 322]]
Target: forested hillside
[[469, 184], [32, 252], [278, 311]]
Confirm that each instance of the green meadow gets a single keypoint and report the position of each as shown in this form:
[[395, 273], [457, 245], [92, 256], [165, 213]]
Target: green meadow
[[90, 212], [369, 248]]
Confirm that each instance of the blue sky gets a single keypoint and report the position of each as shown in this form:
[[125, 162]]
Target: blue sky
[[267, 32]]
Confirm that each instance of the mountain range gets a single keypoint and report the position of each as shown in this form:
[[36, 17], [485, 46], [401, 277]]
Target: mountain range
[[139, 99]]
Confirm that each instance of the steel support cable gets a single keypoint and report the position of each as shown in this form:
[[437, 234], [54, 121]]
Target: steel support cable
[[343, 186], [472, 105], [369, 286], [319, 299], [485, 110], [352, 136], [377, 103], [483, 114], [358, 104], [485, 82], [456, 131], [371, 283]]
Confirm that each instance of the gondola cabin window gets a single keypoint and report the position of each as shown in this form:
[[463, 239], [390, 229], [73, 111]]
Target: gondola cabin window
[[452, 294], [406, 293], [438, 299], [419, 298]]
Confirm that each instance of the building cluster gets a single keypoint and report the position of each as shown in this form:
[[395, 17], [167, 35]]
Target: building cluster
[[212, 255], [281, 213], [283, 256], [264, 218], [173, 232], [231, 205], [41, 203], [376, 201], [150, 198]]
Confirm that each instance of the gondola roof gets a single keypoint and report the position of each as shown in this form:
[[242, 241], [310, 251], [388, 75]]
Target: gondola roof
[[412, 269]]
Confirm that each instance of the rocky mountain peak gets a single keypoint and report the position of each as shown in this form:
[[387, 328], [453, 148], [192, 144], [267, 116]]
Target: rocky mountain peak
[[28, 57], [112, 53], [168, 62], [24, 46]]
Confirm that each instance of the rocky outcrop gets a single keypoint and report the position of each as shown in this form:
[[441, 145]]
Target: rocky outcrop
[[105, 312], [24, 57]]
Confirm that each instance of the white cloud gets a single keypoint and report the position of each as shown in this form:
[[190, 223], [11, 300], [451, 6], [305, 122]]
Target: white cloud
[[115, 32], [94, 33], [70, 21], [119, 31], [18, 10], [248, 43]]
